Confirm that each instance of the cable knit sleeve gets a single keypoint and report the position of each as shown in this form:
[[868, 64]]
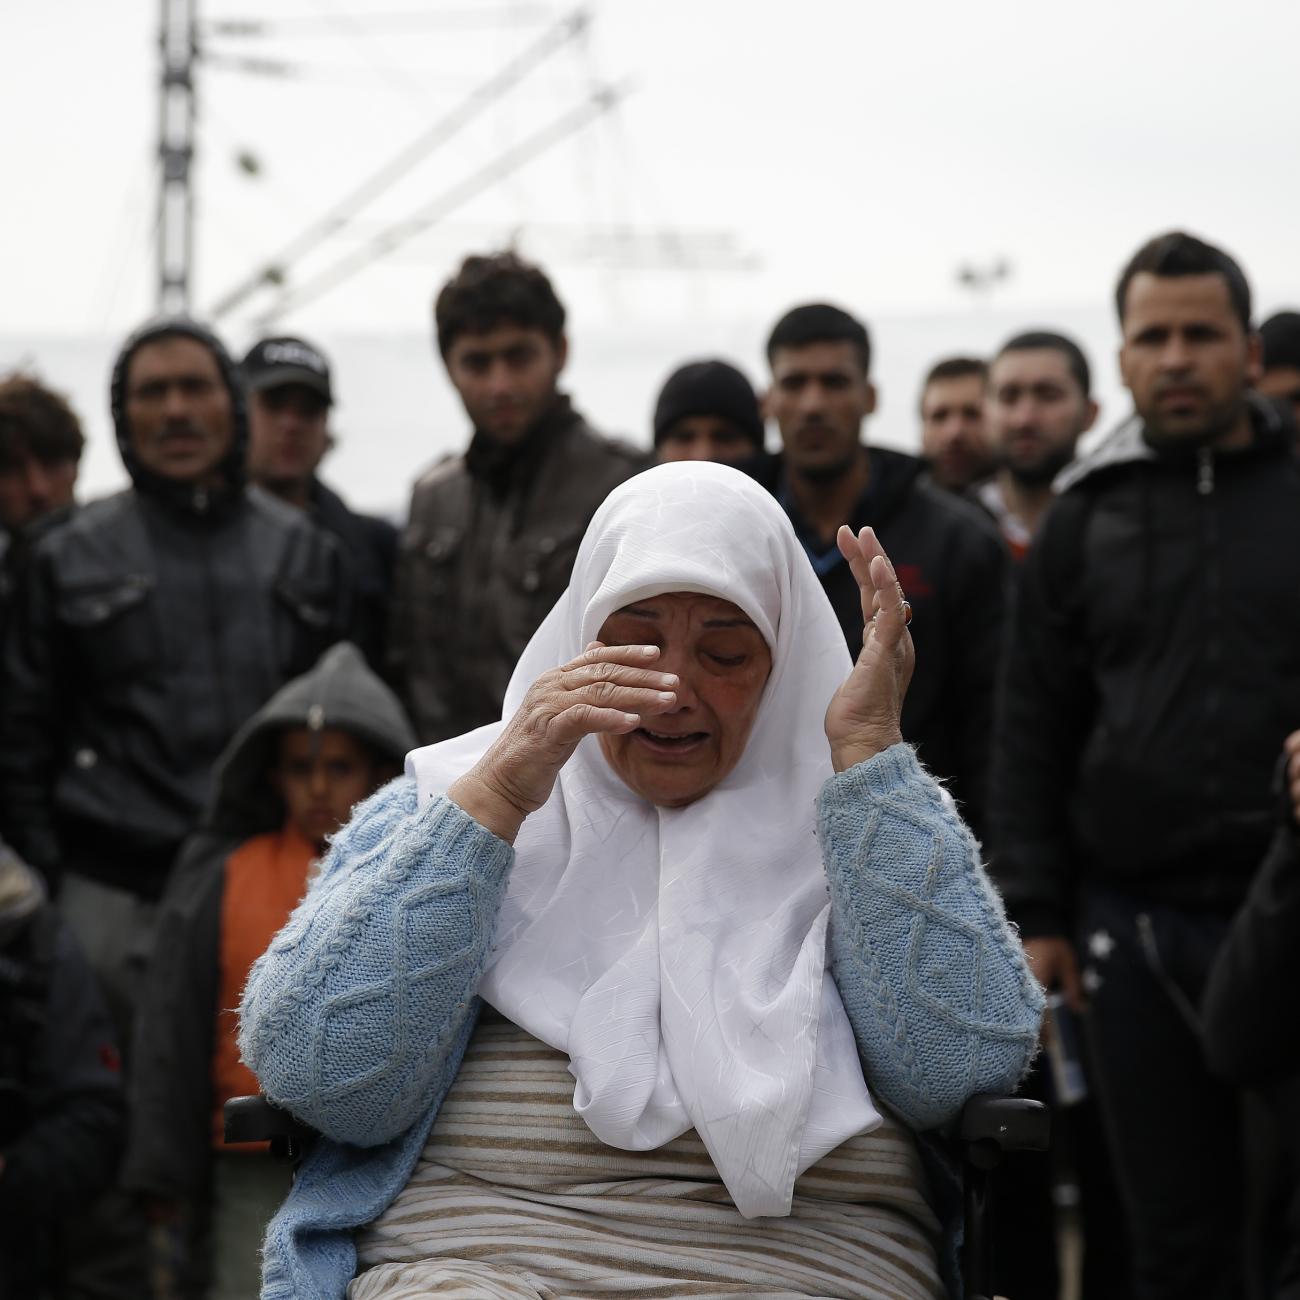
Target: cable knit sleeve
[[351, 1017], [933, 978]]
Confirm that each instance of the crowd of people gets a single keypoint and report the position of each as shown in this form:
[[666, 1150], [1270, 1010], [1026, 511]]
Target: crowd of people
[[203, 674]]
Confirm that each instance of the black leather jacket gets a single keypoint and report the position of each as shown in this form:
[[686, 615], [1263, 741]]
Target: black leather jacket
[[148, 627]]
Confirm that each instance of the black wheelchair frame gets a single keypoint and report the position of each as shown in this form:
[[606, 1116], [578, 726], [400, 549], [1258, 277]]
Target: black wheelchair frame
[[989, 1127]]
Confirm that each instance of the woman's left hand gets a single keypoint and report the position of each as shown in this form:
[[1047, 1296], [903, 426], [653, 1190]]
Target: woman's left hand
[[863, 718]]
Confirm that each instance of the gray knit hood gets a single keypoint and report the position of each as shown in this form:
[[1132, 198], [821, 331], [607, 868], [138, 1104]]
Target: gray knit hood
[[341, 693]]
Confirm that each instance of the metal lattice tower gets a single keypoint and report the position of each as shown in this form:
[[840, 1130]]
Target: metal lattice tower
[[176, 119]]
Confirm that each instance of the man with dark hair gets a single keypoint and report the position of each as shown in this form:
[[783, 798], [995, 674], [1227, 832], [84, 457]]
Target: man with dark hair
[[954, 441], [290, 396], [1153, 671], [1039, 406], [493, 532], [147, 628], [1280, 336], [707, 410], [947, 553], [40, 453]]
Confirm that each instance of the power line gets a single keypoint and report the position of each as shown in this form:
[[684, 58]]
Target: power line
[[478, 16], [275, 270], [366, 42], [600, 102]]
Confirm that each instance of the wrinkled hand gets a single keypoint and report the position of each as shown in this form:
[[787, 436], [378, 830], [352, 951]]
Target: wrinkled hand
[[1291, 747], [605, 689], [1053, 964], [863, 717]]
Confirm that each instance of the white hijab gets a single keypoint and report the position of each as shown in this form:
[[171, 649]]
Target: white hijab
[[678, 955]]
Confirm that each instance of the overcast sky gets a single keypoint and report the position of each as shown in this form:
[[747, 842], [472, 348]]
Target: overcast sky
[[859, 152]]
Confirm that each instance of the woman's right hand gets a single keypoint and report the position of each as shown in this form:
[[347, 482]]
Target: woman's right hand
[[605, 689]]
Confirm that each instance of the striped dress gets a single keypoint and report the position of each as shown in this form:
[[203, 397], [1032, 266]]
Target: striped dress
[[514, 1198]]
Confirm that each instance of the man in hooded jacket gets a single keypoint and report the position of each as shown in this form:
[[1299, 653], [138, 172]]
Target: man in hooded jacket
[[1152, 673], [148, 628]]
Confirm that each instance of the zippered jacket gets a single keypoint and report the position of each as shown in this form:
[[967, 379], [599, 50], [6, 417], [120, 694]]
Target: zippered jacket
[[489, 548], [147, 629], [1152, 672]]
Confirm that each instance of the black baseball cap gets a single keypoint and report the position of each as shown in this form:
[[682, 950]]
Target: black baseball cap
[[273, 363]]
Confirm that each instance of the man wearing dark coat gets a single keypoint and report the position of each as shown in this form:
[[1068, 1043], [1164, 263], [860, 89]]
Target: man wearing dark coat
[[148, 627], [290, 397], [494, 531], [1153, 671], [949, 558]]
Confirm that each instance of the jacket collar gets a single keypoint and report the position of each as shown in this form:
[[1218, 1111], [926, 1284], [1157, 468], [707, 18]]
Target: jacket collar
[[1127, 444], [501, 467]]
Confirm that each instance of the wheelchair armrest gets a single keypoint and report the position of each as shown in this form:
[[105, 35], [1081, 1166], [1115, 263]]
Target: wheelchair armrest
[[255, 1119], [991, 1126]]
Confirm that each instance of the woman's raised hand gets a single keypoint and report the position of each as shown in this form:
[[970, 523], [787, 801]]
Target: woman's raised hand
[[605, 689], [863, 717]]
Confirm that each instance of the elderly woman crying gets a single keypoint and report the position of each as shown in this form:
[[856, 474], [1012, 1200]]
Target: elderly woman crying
[[646, 989]]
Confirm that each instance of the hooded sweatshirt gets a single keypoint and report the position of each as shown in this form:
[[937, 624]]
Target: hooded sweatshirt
[[234, 886], [151, 625]]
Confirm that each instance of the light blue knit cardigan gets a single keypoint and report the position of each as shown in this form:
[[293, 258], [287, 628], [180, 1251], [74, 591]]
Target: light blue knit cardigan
[[357, 1016]]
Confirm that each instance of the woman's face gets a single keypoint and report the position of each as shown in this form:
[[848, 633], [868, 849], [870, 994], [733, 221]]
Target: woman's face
[[722, 664]]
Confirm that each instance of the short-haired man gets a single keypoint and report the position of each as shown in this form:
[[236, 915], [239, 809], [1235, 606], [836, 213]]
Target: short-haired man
[[40, 453], [494, 531], [707, 410], [147, 627], [290, 395], [1039, 406], [948, 556], [954, 441], [1280, 381], [1153, 671]]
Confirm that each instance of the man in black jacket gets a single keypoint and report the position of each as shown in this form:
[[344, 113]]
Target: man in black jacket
[[1153, 669], [949, 558], [290, 395], [147, 628]]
